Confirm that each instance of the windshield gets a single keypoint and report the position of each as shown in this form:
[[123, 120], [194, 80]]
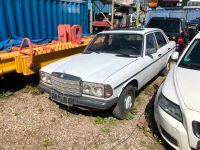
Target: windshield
[[168, 26], [126, 44], [191, 59]]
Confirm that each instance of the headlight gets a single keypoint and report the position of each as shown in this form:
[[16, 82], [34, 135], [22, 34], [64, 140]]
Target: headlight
[[98, 90], [170, 107], [45, 77]]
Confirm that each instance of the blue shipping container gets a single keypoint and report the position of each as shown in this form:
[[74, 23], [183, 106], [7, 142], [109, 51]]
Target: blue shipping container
[[38, 19]]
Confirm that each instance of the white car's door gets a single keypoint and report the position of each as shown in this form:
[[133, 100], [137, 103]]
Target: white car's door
[[151, 64], [163, 49]]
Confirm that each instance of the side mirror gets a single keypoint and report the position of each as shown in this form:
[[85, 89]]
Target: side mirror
[[151, 51], [175, 56]]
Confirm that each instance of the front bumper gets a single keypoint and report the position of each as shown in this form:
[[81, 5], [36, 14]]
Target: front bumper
[[90, 103], [171, 130]]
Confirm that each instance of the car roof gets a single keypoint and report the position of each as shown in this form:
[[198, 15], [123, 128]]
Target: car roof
[[166, 18], [131, 30], [197, 36]]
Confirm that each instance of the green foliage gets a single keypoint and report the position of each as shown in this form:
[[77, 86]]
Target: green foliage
[[101, 120], [106, 130], [47, 143], [5, 94]]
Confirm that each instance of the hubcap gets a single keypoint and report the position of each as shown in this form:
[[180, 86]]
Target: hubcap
[[128, 102]]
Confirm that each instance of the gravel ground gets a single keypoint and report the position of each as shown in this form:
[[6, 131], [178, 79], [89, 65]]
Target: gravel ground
[[29, 120]]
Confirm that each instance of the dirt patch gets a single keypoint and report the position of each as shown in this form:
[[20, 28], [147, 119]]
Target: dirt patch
[[29, 120]]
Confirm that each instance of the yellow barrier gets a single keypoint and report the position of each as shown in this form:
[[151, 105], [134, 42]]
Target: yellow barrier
[[43, 55]]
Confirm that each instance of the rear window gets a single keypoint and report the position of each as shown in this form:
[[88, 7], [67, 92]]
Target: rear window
[[168, 26]]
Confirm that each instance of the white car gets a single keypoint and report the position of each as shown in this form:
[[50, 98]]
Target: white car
[[177, 103], [112, 68]]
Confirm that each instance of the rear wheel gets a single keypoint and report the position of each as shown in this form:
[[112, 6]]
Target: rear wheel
[[125, 103]]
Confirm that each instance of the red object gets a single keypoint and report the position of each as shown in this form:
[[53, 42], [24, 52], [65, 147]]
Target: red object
[[101, 24], [64, 33], [76, 38], [31, 65], [180, 40]]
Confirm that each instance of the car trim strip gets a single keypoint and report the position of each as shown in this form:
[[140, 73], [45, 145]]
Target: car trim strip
[[141, 70]]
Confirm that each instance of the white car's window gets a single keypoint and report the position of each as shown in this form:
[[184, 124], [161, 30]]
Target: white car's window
[[150, 42], [128, 44], [160, 39], [191, 59]]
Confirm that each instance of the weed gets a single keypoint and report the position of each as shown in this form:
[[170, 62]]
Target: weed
[[143, 143], [96, 146], [53, 120], [106, 130], [130, 116], [41, 110], [33, 89], [134, 111], [5, 94], [47, 143], [144, 128], [17, 114], [150, 147], [101, 120]]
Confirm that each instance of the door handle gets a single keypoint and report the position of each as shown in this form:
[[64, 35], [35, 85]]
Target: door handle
[[159, 55]]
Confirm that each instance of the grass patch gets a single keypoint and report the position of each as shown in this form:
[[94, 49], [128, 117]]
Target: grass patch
[[47, 143], [17, 114], [96, 146], [130, 116], [106, 130], [144, 128], [101, 120], [32, 89], [148, 146], [40, 110], [5, 94]]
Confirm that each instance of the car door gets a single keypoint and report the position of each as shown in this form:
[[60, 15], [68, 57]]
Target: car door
[[163, 49], [151, 66]]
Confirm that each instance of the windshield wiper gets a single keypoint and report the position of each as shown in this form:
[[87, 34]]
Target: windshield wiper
[[126, 55], [89, 52]]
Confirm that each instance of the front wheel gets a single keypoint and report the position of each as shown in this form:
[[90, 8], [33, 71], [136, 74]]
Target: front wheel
[[125, 103]]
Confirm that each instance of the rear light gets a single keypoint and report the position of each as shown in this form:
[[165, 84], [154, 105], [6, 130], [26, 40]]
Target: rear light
[[180, 40]]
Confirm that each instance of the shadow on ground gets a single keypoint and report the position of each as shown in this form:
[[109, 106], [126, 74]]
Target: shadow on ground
[[149, 117], [14, 82]]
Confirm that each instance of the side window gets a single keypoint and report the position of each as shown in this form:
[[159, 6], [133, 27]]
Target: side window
[[150, 42], [160, 39]]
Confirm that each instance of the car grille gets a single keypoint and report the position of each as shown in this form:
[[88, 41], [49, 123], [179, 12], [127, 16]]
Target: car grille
[[196, 128], [66, 84]]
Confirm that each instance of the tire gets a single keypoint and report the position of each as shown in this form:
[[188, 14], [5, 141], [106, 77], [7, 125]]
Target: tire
[[166, 69], [125, 103]]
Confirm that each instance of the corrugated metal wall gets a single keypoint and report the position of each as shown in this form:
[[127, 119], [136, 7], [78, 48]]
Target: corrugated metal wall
[[39, 18], [184, 13], [107, 8]]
